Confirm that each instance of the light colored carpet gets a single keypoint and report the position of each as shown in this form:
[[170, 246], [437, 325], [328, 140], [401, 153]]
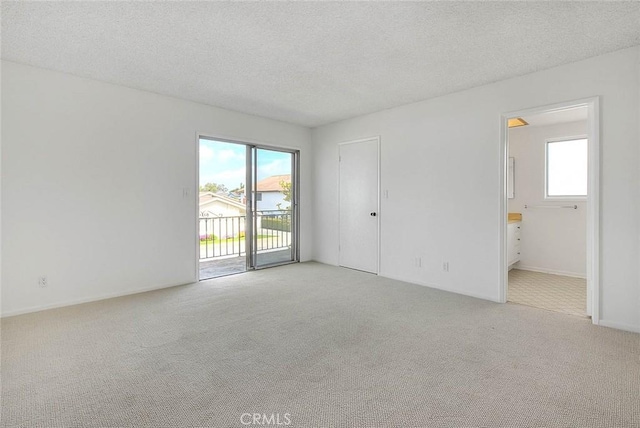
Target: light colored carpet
[[329, 346], [556, 293]]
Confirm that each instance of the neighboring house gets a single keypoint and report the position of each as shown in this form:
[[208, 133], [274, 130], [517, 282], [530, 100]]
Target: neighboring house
[[220, 215], [269, 193], [217, 205]]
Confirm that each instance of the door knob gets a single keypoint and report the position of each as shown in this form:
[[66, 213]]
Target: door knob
[[373, 214]]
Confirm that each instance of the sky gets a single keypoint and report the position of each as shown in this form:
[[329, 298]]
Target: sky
[[225, 163]]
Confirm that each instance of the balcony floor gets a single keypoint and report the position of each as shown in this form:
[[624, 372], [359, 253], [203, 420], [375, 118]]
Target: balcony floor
[[213, 268]]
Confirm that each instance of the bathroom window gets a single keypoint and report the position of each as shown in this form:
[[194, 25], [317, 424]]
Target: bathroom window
[[566, 169]]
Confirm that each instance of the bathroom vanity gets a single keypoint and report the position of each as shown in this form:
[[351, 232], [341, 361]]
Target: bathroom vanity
[[513, 238]]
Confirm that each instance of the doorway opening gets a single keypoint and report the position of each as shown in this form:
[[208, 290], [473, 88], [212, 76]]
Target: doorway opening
[[550, 213], [247, 207]]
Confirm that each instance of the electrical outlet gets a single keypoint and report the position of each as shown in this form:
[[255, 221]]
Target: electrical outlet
[[419, 262], [42, 281], [445, 266]]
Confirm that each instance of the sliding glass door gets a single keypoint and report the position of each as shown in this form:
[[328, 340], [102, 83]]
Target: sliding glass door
[[274, 207], [222, 208], [247, 207]]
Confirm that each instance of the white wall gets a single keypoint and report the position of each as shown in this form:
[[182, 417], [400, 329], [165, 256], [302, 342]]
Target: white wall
[[440, 164], [552, 240], [638, 193], [1, 175], [270, 201], [92, 186]]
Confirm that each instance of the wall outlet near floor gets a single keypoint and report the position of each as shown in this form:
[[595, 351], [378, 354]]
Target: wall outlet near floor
[[445, 266], [42, 281]]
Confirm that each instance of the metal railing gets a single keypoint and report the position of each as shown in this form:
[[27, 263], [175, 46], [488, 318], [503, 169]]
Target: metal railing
[[273, 229], [225, 236]]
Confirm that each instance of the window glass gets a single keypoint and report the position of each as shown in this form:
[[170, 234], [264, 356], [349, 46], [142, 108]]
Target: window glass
[[567, 168]]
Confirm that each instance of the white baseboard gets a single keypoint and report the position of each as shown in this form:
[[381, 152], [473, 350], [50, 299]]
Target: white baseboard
[[549, 271], [620, 326], [86, 300], [425, 284], [440, 287]]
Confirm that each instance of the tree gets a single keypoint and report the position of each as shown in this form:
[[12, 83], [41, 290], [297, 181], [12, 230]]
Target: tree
[[239, 190], [214, 188], [286, 191]]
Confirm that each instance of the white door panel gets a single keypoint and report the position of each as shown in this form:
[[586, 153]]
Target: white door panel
[[359, 205]]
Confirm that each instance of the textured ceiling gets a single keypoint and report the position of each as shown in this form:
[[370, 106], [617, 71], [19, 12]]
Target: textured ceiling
[[311, 63]]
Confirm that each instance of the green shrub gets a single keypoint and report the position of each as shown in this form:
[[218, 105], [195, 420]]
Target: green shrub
[[276, 223]]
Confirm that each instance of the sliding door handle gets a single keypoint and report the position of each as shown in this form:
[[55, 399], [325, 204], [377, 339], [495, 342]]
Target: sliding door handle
[[373, 214]]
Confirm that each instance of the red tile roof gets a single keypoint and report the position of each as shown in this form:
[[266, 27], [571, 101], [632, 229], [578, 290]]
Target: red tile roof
[[272, 184]]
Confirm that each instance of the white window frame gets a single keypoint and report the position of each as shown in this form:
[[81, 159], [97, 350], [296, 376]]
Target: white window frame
[[548, 197]]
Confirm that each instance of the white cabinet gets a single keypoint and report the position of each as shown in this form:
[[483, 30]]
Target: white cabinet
[[513, 242]]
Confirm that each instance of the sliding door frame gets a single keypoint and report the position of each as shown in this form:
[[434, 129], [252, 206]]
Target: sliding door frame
[[250, 222], [295, 180]]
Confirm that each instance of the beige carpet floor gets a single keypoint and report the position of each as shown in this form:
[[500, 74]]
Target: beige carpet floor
[[556, 293], [330, 347]]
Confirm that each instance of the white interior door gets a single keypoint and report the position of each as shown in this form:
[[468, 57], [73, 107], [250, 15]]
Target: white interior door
[[359, 205]]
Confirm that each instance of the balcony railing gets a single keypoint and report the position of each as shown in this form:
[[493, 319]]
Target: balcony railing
[[225, 236]]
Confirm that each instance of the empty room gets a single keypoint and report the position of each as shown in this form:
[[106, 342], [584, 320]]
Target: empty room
[[320, 214]]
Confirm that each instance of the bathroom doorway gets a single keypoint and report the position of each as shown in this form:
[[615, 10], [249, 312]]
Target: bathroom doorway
[[550, 232]]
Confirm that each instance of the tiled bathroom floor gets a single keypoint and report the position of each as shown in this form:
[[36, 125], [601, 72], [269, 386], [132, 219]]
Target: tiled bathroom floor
[[552, 292]]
